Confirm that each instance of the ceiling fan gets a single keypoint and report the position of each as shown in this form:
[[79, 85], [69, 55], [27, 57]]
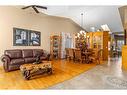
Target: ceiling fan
[[35, 7]]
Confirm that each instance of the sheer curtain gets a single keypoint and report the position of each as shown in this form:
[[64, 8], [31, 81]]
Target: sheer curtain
[[67, 42]]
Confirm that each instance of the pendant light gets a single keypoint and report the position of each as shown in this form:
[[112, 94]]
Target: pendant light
[[82, 32], [81, 36]]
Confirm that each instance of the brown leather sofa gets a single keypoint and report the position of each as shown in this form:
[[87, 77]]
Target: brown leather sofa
[[12, 59]]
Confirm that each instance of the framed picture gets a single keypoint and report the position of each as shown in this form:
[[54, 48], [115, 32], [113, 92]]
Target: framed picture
[[24, 37], [20, 37], [34, 38]]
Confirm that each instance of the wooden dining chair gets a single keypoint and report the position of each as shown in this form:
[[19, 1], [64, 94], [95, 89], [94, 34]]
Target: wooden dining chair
[[96, 56], [67, 53], [71, 53], [90, 50], [78, 56]]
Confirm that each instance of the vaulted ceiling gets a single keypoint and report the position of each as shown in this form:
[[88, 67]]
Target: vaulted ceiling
[[94, 16]]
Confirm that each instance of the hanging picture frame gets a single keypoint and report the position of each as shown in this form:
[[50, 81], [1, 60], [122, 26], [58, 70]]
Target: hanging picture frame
[[20, 37], [34, 38], [24, 37]]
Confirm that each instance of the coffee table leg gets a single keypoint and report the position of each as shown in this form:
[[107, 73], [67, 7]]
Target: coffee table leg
[[27, 75], [49, 71]]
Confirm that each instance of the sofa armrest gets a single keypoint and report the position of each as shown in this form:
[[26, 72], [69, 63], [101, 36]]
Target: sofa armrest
[[6, 60]]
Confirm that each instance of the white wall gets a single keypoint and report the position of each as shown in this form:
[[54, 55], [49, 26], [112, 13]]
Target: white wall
[[12, 16], [93, 16], [104, 15]]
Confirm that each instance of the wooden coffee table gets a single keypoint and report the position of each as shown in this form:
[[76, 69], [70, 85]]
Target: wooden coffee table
[[30, 70]]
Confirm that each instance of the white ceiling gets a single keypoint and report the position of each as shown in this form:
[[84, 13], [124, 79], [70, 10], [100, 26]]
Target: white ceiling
[[94, 16]]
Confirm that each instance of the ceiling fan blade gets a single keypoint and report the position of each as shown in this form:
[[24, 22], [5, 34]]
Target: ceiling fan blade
[[26, 7], [43, 7], [35, 9]]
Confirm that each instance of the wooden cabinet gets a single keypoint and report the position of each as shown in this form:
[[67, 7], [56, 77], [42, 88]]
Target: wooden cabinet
[[55, 46], [98, 40], [124, 57]]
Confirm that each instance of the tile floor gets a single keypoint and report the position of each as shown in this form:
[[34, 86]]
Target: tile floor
[[106, 76]]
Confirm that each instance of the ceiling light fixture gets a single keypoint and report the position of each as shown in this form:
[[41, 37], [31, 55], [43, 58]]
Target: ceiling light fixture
[[105, 27], [81, 32]]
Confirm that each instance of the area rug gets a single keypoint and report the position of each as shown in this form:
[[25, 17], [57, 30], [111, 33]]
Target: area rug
[[116, 82]]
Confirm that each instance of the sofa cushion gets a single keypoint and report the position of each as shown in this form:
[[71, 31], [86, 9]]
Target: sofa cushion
[[13, 54], [39, 52], [27, 53], [17, 61], [29, 60]]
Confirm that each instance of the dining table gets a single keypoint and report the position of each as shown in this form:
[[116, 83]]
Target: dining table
[[87, 54]]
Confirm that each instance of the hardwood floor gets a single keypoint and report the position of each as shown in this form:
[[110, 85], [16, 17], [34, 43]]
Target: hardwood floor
[[62, 70]]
